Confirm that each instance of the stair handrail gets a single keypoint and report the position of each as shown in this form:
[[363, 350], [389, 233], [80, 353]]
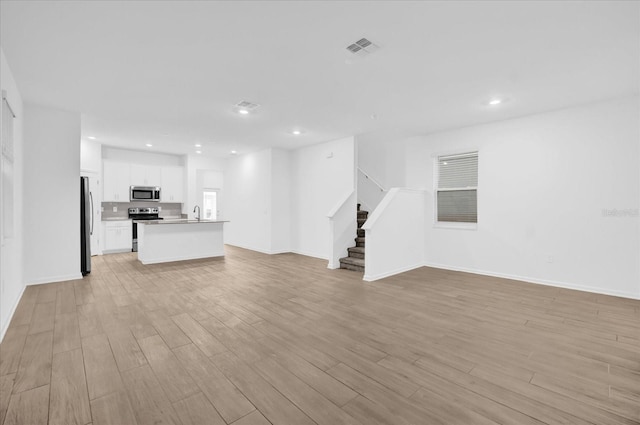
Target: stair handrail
[[368, 177]]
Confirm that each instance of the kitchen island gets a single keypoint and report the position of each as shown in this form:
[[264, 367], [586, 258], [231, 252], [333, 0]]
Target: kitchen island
[[162, 241]]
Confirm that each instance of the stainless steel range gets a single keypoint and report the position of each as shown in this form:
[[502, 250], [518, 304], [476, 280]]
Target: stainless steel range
[[146, 213]]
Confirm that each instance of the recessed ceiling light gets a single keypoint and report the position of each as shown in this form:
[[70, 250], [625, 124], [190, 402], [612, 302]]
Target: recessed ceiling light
[[198, 151], [148, 145], [296, 132], [91, 138], [243, 111], [494, 102], [234, 152], [198, 145]]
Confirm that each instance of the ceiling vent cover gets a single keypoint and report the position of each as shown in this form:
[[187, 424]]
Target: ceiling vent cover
[[362, 47], [247, 106]]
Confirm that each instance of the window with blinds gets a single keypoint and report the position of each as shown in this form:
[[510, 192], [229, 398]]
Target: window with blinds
[[457, 188]]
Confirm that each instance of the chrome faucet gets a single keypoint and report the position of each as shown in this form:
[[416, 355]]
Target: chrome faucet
[[197, 215]]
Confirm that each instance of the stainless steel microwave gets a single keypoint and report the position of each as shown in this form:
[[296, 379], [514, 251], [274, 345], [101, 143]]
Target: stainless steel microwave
[[144, 193]]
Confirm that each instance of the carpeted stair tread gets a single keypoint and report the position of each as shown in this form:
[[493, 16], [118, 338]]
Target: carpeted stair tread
[[353, 261]]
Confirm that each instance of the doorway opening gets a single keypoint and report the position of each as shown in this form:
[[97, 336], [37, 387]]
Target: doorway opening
[[210, 204]]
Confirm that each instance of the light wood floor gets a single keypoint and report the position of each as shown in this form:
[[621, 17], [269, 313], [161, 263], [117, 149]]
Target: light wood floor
[[258, 339]]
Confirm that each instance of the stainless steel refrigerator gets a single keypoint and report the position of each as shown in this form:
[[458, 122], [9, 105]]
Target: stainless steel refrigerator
[[86, 225]]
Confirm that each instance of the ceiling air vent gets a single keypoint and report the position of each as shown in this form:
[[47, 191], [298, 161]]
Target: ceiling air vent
[[362, 47], [244, 107]]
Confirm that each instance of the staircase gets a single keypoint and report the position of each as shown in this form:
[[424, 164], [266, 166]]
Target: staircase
[[355, 260]]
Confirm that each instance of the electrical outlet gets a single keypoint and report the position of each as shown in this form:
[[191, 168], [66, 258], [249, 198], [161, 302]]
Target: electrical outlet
[[115, 209], [101, 209], [159, 209], [549, 258]]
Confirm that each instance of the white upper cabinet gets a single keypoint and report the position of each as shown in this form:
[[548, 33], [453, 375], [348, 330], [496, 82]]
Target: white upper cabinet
[[116, 176], [172, 187], [145, 175]]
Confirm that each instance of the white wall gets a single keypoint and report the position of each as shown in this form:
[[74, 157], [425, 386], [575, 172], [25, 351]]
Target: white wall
[[544, 182], [280, 201], [51, 194], [321, 176], [90, 156], [140, 157], [395, 234], [381, 160], [248, 204], [382, 156], [11, 277], [203, 172]]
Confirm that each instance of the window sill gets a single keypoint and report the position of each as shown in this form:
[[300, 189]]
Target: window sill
[[453, 225]]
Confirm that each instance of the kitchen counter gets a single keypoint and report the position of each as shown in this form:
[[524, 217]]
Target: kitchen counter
[[161, 241], [179, 221], [116, 219]]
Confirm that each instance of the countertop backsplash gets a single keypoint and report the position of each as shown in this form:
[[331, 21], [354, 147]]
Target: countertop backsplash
[[168, 210]]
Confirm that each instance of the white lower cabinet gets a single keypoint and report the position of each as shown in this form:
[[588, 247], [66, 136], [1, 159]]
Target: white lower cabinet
[[117, 236]]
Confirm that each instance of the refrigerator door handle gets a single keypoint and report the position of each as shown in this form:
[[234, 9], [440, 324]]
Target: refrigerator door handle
[[91, 198]]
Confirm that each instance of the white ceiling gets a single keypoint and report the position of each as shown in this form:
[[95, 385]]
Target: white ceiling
[[169, 73]]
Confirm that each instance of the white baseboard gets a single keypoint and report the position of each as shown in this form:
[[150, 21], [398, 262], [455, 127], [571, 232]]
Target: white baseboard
[[371, 278], [3, 331], [292, 251], [557, 284], [51, 279], [172, 259], [114, 251], [309, 254], [262, 251]]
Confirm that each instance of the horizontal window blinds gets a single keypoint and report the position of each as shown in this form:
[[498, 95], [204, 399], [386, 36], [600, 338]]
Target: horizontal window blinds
[[457, 191]]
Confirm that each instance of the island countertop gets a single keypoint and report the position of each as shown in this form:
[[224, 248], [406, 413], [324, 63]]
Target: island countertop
[[178, 221]]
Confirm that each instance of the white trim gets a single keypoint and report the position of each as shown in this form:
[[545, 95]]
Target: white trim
[[308, 254], [259, 250], [279, 252], [369, 278], [455, 225], [375, 214], [51, 279], [339, 205], [554, 283], [114, 251], [3, 331]]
